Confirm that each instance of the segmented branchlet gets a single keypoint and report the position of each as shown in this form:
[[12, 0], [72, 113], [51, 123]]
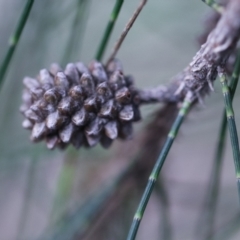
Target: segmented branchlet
[[80, 105]]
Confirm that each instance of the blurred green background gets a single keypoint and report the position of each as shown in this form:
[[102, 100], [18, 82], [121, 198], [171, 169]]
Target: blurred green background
[[161, 43]]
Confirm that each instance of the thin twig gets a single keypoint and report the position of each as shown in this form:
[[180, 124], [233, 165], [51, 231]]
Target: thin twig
[[14, 39], [158, 166], [158, 94], [109, 28], [125, 31]]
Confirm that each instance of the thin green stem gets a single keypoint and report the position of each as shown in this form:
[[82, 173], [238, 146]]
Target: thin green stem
[[77, 30], [231, 126], [14, 39], [157, 168], [214, 184], [108, 30], [217, 7]]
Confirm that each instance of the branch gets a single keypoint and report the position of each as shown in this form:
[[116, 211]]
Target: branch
[[202, 71], [199, 75], [158, 94], [125, 31]]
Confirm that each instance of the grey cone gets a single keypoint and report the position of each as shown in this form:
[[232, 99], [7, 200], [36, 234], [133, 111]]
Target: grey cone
[[81, 105]]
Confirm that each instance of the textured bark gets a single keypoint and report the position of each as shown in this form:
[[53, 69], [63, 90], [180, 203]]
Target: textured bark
[[158, 94], [199, 75], [202, 71]]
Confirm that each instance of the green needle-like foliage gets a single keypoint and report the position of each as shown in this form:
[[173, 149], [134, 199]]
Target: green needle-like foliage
[[157, 168], [231, 126], [217, 7], [213, 190], [108, 30], [14, 39]]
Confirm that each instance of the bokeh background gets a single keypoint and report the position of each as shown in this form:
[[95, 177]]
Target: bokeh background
[[39, 187]]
